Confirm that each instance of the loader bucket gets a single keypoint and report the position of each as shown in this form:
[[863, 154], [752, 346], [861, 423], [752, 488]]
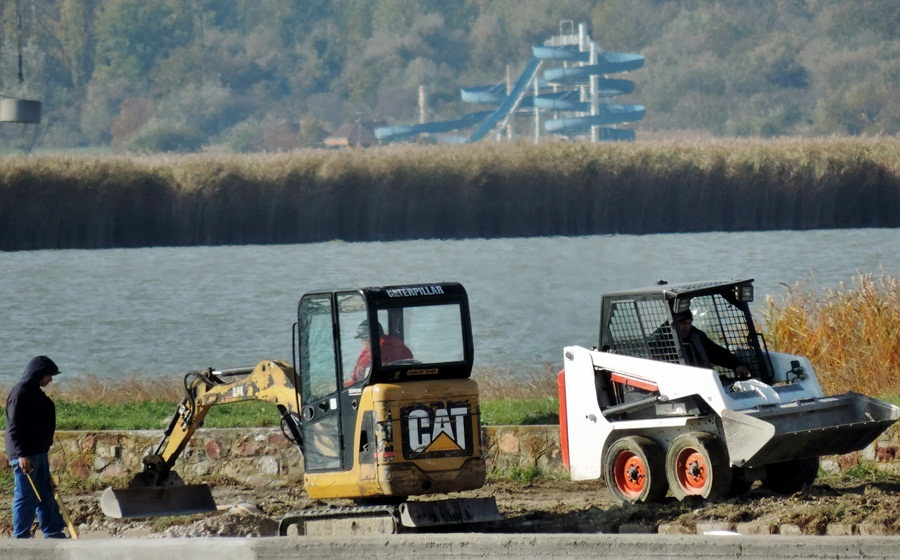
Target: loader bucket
[[812, 428], [128, 503]]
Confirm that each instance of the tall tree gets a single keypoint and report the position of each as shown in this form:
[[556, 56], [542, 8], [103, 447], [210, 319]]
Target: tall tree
[[132, 35]]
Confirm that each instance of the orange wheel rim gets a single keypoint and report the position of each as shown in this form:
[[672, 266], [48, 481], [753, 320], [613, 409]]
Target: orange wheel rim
[[693, 471], [630, 474]]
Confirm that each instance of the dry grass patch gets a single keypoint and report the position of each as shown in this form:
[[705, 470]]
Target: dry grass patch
[[850, 334]]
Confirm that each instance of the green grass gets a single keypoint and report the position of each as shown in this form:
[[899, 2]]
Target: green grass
[[155, 415], [146, 415], [522, 475], [7, 480], [866, 471], [98, 416], [520, 411]]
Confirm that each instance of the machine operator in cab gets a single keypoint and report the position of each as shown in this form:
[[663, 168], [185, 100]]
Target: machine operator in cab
[[392, 350]]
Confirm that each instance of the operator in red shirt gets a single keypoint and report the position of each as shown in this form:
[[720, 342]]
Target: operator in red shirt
[[392, 350]]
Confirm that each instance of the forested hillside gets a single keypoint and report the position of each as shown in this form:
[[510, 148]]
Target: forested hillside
[[276, 74]]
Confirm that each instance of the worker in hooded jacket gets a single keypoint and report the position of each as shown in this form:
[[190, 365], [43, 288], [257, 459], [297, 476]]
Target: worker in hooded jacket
[[30, 424]]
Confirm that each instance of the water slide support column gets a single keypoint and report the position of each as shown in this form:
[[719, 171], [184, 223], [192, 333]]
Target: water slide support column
[[509, 131], [537, 112], [595, 94], [421, 104]]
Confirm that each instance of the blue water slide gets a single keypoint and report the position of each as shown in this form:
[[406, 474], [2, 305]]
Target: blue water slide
[[509, 105], [571, 100], [520, 99], [404, 131], [485, 120], [609, 114], [568, 53], [603, 133], [486, 95], [607, 63]]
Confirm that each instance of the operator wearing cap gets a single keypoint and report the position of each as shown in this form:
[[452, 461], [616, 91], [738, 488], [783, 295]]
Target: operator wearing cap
[[30, 425], [703, 351], [392, 349]]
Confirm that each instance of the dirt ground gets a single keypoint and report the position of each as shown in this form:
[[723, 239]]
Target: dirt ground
[[539, 506]]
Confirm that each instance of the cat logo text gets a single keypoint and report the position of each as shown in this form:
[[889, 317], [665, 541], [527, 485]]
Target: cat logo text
[[436, 430]]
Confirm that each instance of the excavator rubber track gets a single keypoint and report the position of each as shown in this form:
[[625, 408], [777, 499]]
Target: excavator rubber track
[[389, 519]]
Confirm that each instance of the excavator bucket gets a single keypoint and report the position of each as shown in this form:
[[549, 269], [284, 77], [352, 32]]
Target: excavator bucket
[[461, 511], [809, 428], [128, 503]]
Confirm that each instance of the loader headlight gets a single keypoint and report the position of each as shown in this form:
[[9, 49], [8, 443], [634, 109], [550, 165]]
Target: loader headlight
[[745, 293]]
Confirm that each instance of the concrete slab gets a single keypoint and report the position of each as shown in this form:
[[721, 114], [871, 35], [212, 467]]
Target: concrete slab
[[459, 545]]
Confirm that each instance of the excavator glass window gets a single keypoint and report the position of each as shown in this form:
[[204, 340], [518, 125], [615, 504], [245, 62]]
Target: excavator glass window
[[316, 358], [355, 336], [432, 333]]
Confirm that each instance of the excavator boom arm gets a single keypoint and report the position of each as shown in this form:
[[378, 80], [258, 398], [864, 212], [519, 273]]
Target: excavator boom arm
[[158, 490], [271, 381]]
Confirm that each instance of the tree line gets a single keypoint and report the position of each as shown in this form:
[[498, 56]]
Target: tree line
[[268, 75]]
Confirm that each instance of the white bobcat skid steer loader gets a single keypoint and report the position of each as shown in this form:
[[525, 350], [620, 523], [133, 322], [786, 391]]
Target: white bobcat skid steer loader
[[652, 412]]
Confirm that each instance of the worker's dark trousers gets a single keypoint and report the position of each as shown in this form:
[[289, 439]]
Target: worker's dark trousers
[[27, 500]]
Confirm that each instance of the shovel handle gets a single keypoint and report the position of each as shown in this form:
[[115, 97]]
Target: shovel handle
[[33, 487], [62, 507]]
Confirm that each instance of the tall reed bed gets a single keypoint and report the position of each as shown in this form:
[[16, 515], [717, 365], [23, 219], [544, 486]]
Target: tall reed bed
[[484, 190], [850, 334]]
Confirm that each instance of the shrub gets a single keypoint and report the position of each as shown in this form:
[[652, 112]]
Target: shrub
[[163, 137]]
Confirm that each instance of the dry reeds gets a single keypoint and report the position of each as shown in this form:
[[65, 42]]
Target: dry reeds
[[484, 190], [90, 389], [538, 382], [849, 334]]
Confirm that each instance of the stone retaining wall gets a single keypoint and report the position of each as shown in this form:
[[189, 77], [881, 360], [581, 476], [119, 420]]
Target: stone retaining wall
[[264, 457]]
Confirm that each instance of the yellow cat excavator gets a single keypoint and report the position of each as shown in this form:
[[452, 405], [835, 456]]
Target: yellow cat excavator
[[379, 400]]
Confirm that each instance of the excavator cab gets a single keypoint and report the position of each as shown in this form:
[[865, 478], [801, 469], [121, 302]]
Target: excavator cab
[[388, 408]]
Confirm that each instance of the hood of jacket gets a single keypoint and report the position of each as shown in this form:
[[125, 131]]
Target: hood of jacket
[[38, 367]]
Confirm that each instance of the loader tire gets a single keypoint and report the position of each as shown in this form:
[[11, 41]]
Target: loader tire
[[634, 470], [791, 476], [697, 465]]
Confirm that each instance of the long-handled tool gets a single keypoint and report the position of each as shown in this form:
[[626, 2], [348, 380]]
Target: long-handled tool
[[59, 502], [33, 487], [62, 508]]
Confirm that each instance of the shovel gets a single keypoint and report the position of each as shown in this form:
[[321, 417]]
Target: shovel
[[62, 508]]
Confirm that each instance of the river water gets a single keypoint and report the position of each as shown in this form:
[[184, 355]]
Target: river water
[[164, 311]]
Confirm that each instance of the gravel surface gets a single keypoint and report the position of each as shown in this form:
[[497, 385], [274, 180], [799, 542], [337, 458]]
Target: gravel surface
[[539, 506]]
